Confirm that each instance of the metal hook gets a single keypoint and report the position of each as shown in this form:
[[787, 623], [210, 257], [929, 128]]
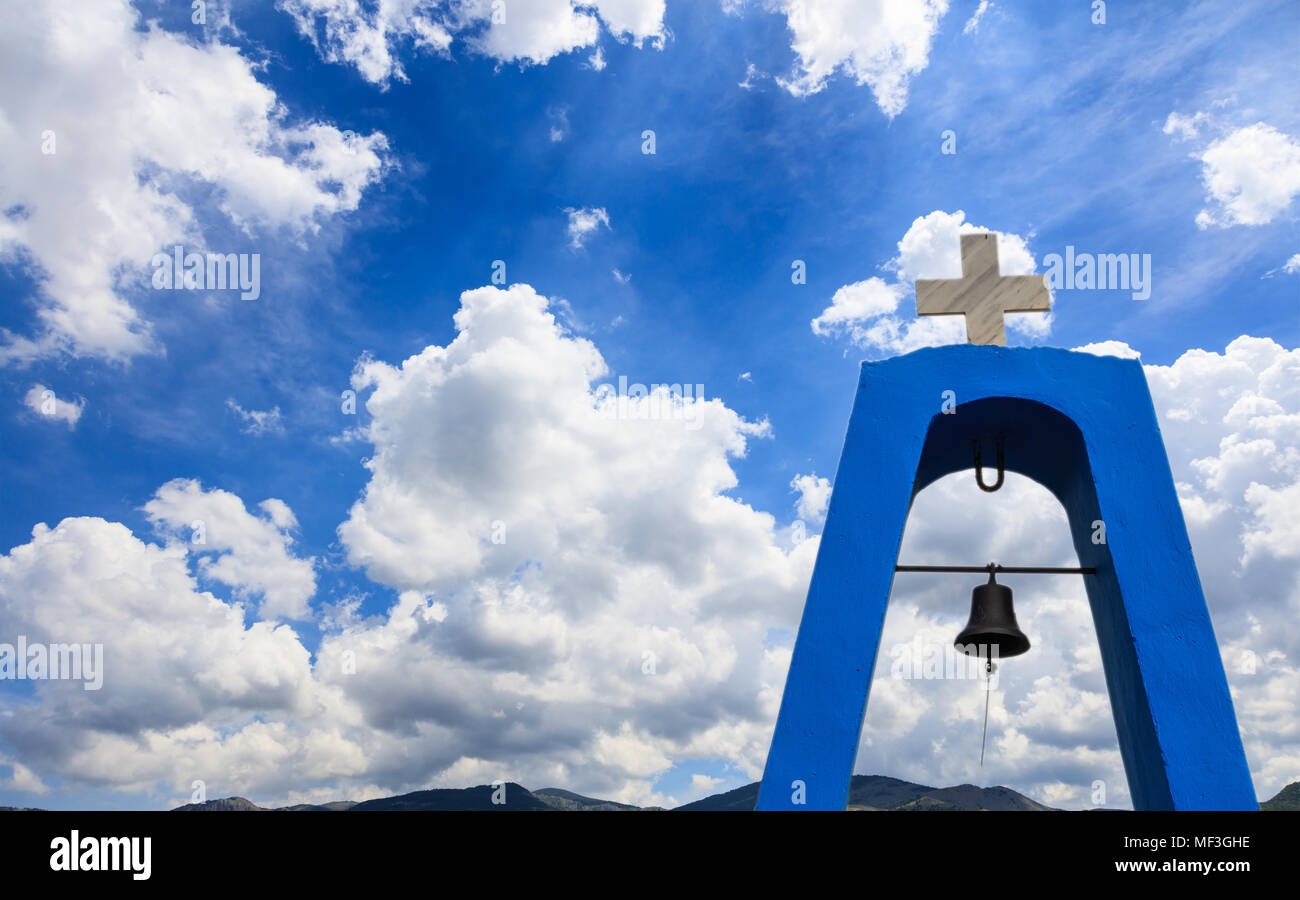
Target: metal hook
[[979, 471]]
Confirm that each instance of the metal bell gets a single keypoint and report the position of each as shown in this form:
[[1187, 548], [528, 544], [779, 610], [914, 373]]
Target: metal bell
[[992, 623]]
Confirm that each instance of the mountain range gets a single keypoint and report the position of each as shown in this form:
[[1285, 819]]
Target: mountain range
[[868, 792]]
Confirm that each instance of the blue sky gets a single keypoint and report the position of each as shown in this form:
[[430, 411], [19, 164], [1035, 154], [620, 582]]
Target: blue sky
[[1063, 134]]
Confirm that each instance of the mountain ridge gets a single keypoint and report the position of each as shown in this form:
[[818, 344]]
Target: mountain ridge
[[866, 792], [880, 792], [1287, 799]]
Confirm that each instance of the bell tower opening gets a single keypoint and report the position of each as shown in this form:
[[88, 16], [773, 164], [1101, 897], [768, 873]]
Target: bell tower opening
[[1050, 733]]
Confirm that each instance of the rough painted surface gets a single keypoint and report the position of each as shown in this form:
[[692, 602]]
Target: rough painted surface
[[1084, 427]]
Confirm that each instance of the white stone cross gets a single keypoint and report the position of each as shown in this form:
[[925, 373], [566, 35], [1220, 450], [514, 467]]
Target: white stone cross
[[982, 293]]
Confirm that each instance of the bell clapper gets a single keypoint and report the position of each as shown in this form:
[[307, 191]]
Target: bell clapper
[[988, 671]]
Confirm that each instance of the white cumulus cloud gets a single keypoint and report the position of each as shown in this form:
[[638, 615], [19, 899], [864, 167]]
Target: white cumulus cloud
[[1110, 348], [585, 222], [184, 674], [1185, 127], [876, 42], [1251, 176], [857, 302], [250, 554], [256, 421], [117, 118], [44, 402], [814, 496], [374, 37]]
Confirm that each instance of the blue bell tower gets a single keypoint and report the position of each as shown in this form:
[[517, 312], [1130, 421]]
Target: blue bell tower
[[1084, 427]]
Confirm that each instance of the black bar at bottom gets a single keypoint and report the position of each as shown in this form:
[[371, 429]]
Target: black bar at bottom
[[330, 849]]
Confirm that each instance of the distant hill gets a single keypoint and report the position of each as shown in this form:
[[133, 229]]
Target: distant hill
[[883, 792], [742, 799], [558, 798], [446, 799], [1287, 799], [968, 796], [879, 792], [457, 799], [225, 804]]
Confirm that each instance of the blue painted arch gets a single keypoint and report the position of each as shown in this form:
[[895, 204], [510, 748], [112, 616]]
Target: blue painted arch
[[1084, 427]]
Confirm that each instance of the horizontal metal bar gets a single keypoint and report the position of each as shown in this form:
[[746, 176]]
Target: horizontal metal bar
[[1011, 570]]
